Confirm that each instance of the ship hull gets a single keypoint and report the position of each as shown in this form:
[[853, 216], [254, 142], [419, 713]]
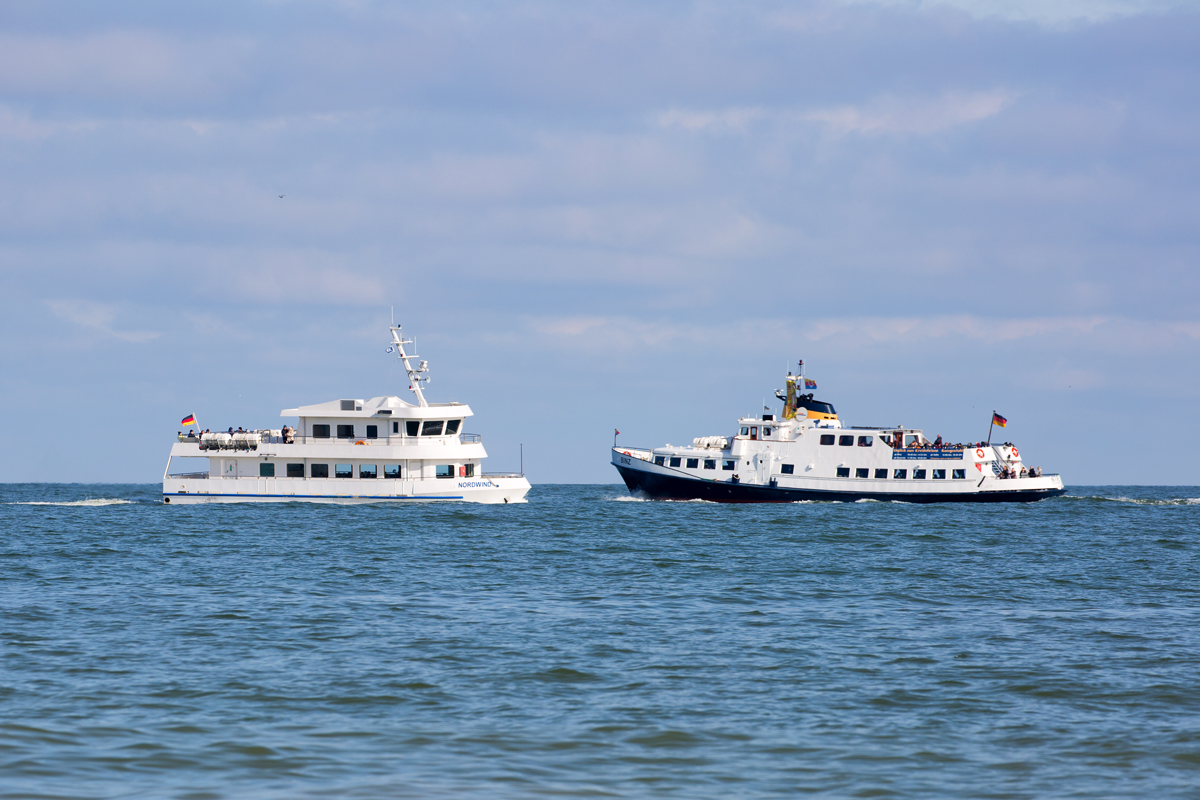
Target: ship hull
[[488, 490], [660, 485]]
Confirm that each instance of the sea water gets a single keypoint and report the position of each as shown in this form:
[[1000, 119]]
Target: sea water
[[588, 645]]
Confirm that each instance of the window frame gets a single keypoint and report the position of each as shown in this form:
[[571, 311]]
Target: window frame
[[866, 441], [345, 431], [919, 474], [900, 474], [958, 474], [843, 472], [320, 471], [452, 427], [374, 471], [320, 431], [939, 474], [266, 469], [675, 461], [425, 427], [879, 470], [372, 432], [729, 464], [393, 472], [295, 470], [710, 463], [412, 427], [787, 469], [442, 471], [846, 441], [828, 439], [693, 463], [340, 473]]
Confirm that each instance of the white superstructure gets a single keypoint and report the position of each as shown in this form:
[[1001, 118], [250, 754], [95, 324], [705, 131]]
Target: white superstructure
[[348, 451]]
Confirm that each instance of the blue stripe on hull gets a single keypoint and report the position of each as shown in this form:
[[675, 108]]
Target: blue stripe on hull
[[667, 487], [313, 496]]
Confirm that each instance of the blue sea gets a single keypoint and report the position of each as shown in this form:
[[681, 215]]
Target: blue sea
[[590, 645]]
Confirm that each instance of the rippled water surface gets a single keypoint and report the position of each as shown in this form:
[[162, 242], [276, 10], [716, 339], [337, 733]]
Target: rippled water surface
[[586, 645]]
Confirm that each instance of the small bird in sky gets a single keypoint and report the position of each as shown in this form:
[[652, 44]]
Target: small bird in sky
[[280, 197]]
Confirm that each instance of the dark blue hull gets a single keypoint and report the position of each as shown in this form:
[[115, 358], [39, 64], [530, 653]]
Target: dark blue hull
[[654, 486]]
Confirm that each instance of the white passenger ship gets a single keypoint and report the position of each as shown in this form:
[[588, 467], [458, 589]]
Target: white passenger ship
[[807, 454], [348, 451]]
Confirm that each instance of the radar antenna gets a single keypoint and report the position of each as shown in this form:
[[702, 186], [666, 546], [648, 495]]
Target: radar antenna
[[416, 375]]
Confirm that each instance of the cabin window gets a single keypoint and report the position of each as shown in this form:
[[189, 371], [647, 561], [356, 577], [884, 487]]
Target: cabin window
[[444, 470], [674, 461], [939, 474], [918, 474], [318, 470], [372, 431], [787, 469], [827, 438], [959, 474], [846, 441], [861, 472], [865, 441], [452, 426], [431, 427], [295, 470], [266, 470], [660, 460], [745, 431], [391, 471], [368, 471], [345, 431], [843, 472], [881, 473], [395, 427], [710, 463], [693, 463], [766, 431], [412, 427], [729, 465], [899, 474], [347, 405], [343, 471], [468, 470], [320, 431]]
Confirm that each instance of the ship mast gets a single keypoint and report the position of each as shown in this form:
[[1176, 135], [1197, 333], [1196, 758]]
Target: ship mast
[[415, 374]]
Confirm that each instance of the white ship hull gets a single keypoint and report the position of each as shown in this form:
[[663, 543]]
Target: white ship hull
[[345, 491]]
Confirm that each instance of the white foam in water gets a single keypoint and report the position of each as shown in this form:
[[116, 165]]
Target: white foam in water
[[112, 501]]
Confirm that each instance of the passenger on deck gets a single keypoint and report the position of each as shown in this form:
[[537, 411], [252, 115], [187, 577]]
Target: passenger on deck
[[938, 441], [192, 434], [239, 430]]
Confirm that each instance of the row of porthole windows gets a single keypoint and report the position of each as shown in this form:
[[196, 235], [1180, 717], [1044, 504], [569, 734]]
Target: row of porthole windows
[[267, 470], [900, 474], [694, 463], [412, 427]]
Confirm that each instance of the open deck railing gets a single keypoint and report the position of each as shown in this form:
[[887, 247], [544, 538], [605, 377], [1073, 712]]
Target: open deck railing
[[250, 440]]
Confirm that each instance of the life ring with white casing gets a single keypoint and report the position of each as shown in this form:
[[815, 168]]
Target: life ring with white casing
[[979, 452], [1015, 453]]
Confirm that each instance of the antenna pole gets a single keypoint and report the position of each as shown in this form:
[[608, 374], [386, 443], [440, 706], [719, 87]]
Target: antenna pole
[[522, 459], [416, 375]]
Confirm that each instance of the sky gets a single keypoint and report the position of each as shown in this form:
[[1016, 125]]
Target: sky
[[602, 215]]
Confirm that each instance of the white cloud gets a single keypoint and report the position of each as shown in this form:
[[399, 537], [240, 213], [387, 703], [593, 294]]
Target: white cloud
[[97, 317], [911, 115], [1044, 12]]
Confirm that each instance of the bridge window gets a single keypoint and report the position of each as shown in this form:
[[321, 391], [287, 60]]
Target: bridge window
[[865, 441], [827, 438], [391, 471], [693, 463], [918, 474], [843, 472], [959, 474], [266, 470], [660, 460], [412, 427], [345, 431], [846, 441], [452, 426], [372, 431], [729, 465], [787, 469], [444, 470], [745, 431], [395, 427], [674, 461], [318, 470], [320, 431], [899, 474], [368, 471], [766, 431], [710, 463], [343, 470], [939, 474], [432, 427], [881, 473], [468, 470], [295, 470]]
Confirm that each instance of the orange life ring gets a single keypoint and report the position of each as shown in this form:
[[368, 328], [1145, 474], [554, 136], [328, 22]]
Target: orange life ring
[[1015, 453], [360, 441], [979, 452], [629, 454]]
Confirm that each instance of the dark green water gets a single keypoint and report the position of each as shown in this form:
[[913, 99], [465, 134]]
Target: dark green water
[[584, 645]]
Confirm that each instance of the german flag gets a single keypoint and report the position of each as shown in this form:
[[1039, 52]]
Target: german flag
[[998, 420], [190, 419]]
